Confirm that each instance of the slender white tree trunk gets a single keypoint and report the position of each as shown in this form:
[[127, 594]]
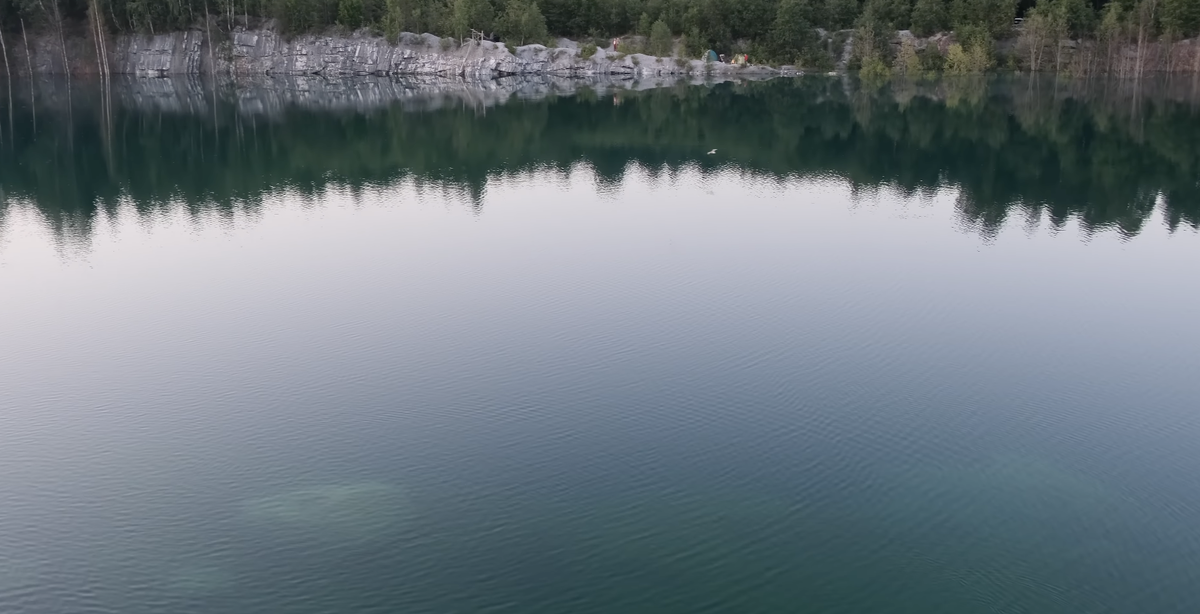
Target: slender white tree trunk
[[96, 37], [29, 66], [28, 60], [7, 70], [1145, 22], [212, 63], [62, 42], [8, 80], [104, 68]]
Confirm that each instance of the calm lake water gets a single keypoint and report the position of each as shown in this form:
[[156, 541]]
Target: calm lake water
[[375, 347]]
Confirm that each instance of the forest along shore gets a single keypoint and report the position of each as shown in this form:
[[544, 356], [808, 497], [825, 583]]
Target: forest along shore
[[634, 38]]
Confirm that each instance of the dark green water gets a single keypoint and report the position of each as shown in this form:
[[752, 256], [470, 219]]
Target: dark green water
[[911, 350]]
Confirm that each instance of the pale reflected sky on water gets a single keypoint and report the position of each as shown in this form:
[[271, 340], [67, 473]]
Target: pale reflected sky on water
[[528, 369]]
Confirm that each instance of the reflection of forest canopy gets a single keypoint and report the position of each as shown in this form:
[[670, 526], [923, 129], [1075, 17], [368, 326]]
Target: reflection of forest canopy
[[1102, 159]]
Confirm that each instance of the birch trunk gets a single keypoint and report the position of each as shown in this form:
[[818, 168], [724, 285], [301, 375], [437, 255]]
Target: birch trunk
[[7, 69], [29, 65], [8, 80]]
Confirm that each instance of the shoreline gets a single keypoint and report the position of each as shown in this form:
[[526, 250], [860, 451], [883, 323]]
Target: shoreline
[[272, 95], [266, 52], [267, 95]]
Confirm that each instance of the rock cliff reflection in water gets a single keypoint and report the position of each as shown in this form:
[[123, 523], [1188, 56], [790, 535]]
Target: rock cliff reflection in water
[[907, 350]]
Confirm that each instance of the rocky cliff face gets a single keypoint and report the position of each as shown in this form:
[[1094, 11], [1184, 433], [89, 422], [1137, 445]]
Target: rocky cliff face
[[266, 52]]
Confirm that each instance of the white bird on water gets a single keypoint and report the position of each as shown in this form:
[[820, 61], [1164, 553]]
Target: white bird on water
[[712, 152]]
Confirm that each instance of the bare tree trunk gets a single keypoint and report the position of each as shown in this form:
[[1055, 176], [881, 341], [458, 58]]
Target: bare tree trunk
[[102, 64], [103, 41], [62, 42], [1036, 42], [212, 67], [29, 65], [212, 63], [28, 61], [1141, 41], [113, 14], [1195, 68], [7, 69], [1116, 52], [1145, 21], [8, 80], [96, 38]]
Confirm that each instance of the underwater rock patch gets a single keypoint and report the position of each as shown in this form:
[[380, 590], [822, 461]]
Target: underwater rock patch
[[198, 580], [334, 513]]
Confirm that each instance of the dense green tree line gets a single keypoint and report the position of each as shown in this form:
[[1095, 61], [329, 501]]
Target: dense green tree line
[[773, 30], [1015, 149]]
